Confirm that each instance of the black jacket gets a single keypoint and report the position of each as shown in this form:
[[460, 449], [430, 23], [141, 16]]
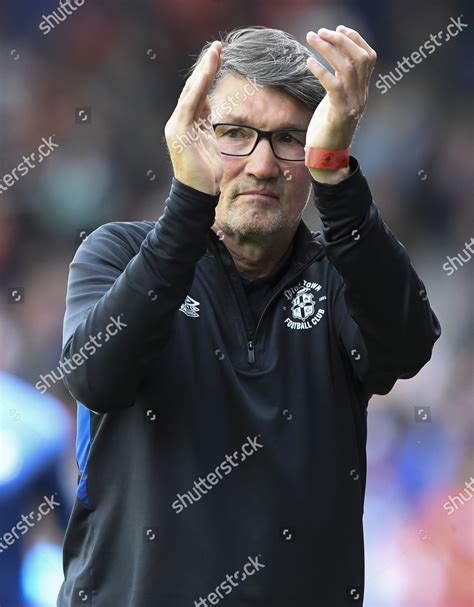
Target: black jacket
[[220, 461]]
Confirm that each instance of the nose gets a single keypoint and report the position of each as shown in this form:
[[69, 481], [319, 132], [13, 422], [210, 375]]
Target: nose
[[262, 162]]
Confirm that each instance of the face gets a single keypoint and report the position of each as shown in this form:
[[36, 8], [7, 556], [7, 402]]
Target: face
[[252, 216]]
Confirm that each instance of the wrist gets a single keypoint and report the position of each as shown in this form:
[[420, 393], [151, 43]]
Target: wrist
[[331, 177], [333, 135]]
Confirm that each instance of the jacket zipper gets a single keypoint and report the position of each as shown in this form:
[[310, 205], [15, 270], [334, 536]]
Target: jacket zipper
[[251, 343], [251, 352], [252, 337]]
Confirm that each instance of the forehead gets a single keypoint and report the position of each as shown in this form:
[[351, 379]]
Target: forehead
[[237, 100]]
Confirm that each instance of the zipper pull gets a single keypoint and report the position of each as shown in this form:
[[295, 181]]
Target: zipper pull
[[251, 352]]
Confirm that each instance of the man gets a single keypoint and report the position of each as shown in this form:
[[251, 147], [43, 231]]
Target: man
[[223, 357]]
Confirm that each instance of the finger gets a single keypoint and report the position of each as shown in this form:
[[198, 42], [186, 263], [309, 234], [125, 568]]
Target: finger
[[199, 68], [345, 45], [204, 106], [337, 60], [196, 72], [357, 39], [205, 101], [360, 62], [199, 88], [186, 113], [328, 80], [203, 66]]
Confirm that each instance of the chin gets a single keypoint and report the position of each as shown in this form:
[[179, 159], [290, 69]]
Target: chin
[[254, 223], [261, 227]]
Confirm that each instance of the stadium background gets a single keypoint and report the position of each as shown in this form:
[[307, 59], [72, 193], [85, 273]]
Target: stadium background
[[122, 62]]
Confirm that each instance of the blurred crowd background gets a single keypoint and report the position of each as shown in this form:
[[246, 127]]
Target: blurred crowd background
[[103, 83]]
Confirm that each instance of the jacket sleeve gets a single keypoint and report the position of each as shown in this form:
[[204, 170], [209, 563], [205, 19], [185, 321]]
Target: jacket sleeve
[[383, 316], [133, 293]]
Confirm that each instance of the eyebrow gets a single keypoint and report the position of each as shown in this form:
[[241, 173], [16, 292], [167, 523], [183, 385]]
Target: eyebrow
[[287, 127]]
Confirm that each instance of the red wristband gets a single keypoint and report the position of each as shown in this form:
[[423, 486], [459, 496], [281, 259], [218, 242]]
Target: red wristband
[[315, 158]]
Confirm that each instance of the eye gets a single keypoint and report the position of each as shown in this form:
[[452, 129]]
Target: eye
[[233, 133], [288, 138]]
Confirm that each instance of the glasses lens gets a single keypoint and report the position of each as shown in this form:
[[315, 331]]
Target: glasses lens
[[289, 145], [235, 140]]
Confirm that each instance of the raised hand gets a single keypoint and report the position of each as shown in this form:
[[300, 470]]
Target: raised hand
[[198, 163], [335, 119]]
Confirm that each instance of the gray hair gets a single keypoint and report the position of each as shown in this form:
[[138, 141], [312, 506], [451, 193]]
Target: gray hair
[[271, 57]]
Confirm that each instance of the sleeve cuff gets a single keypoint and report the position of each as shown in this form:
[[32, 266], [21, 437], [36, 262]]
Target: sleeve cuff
[[349, 197], [185, 191]]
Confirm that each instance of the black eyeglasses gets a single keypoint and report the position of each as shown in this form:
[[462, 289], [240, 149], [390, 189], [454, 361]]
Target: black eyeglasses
[[241, 140]]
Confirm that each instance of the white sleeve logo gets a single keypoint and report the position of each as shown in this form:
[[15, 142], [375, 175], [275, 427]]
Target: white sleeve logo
[[190, 307]]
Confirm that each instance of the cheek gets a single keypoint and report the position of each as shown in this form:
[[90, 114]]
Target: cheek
[[297, 184], [232, 170], [233, 167], [297, 173]]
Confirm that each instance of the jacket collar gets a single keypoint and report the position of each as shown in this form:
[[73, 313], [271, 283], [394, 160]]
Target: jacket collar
[[307, 245]]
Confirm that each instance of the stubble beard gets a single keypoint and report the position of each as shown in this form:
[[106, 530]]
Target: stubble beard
[[248, 224]]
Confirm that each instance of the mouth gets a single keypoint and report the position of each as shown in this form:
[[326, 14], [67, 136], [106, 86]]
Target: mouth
[[261, 194]]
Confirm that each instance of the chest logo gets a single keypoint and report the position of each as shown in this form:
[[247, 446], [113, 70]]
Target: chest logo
[[190, 307], [305, 305]]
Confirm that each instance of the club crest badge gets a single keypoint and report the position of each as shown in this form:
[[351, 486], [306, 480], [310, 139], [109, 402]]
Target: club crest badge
[[306, 305]]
